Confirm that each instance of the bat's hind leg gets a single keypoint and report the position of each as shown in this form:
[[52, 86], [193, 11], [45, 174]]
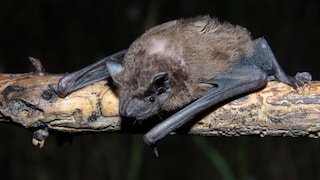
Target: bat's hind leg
[[269, 63]]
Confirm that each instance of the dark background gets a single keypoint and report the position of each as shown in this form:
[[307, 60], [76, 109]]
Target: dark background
[[68, 35]]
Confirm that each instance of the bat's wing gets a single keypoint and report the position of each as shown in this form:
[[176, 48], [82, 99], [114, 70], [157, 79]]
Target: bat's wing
[[93, 73], [244, 76]]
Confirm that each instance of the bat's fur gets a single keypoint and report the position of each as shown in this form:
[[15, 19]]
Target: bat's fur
[[191, 51]]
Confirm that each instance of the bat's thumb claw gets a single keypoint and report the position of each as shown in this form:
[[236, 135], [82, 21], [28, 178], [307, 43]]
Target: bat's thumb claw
[[155, 150], [149, 140]]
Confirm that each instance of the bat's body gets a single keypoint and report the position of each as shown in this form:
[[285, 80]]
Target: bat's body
[[191, 64], [189, 52]]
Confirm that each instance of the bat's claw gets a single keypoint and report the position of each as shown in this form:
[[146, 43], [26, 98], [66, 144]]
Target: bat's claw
[[54, 88], [152, 144], [155, 150]]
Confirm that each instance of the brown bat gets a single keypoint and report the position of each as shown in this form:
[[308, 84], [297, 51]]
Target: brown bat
[[188, 64]]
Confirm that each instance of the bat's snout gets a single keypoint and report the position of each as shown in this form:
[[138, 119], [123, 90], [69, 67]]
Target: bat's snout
[[136, 108]]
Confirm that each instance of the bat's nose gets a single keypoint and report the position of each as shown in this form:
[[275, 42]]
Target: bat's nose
[[125, 113], [127, 108]]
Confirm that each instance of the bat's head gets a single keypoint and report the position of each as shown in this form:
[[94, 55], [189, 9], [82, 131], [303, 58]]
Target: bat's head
[[148, 80], [145, 101]]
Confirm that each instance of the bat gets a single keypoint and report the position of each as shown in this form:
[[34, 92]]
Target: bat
[[187, 65]]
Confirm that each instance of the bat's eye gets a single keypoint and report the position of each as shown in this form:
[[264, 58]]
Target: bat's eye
[[151, 99]]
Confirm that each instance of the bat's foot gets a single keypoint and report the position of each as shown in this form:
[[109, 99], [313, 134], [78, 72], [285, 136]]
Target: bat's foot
[[302, 78], [297, 81]]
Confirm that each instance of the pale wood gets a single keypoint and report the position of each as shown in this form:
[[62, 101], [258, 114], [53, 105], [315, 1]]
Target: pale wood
[[276, 110]]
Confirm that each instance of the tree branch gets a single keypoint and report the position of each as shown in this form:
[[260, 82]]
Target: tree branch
[[277, 110]]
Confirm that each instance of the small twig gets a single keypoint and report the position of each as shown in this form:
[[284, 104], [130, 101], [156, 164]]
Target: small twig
[[39, 69]]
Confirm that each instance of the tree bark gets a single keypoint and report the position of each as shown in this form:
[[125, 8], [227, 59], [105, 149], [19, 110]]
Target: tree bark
[[276, 110]]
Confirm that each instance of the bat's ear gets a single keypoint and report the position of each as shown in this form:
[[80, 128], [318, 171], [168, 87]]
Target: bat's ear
[[114, 68], [160, 84]]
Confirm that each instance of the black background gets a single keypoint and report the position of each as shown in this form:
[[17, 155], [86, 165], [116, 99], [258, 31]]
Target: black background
[[68, 35]]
